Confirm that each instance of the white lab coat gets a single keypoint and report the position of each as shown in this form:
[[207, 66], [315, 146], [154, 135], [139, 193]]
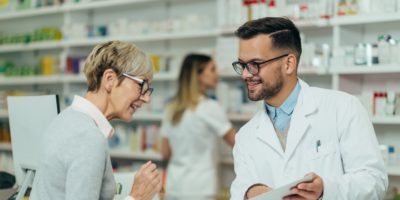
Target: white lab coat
[[348, 158], [192, 169]]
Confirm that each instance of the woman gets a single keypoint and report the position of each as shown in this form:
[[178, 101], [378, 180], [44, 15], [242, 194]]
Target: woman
[[190, 131], [75, 163]]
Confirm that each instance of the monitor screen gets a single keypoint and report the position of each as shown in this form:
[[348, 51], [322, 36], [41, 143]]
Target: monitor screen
[[29, 116]]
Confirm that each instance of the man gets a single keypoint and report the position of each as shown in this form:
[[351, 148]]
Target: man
[[302, 130]]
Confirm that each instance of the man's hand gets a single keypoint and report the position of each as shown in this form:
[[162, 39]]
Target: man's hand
[[308, 191], [256, 190], [147, 182]]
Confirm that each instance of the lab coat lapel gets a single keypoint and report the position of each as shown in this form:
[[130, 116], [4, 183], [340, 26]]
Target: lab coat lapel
[[299, 123], [265, 132]]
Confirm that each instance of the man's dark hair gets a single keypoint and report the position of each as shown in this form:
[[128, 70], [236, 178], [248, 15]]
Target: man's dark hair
[[283, 33]]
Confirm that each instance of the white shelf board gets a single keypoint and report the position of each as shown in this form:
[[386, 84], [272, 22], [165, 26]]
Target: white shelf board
[[30, 13], [31, 46], [365, 19], [5, 146], [70, 78], [126, 154], [375, 69], [69, 8], [140, 38], [100, 4], [25, 80], [386, 120], [393, 171], [141, 116], [228, 29], [57, 79], [311, 23], [165, 76], [313, 70], [98, 40]]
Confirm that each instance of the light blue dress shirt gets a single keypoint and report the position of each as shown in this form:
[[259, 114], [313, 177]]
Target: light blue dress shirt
[[281, 116]]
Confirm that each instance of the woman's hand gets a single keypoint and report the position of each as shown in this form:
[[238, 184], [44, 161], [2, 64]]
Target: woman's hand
[[147, 182]]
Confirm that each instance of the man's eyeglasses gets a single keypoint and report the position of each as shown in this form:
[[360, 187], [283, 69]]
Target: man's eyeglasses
[[145, 89], [253, 67]]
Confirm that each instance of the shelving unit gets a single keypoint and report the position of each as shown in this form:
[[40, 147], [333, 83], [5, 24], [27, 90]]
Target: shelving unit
[[364, 19], [71, 8], [58, 79], [336, 31], [393, 171], [376, 69]]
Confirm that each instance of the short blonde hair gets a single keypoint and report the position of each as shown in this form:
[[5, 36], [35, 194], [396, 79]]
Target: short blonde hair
[[122, 57]]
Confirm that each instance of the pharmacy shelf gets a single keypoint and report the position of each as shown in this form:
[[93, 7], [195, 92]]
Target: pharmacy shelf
[[69, 8], [30, 13], [165, 76], [311, 23], [365, 19], [70, 78], [7, 48], [376, 69], [142, 38], [393, 171], [26, 80], [58, 79], [381, 120], [5, 146], [301, 24], [101, 4], [313, 71], [125, 154]]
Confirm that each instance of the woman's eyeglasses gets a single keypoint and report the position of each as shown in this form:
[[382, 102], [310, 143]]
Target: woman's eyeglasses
[[145, 89]]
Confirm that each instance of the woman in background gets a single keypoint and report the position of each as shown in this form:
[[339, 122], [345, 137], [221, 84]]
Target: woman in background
[[75, 162], [190, 129]]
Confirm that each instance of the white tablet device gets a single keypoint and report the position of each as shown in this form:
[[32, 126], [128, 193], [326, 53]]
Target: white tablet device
[[283, 191]]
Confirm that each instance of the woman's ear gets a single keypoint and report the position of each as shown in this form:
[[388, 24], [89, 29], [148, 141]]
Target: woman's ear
[[108, 80]]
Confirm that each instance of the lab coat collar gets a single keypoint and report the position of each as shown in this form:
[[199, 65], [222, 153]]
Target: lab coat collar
[[298, 124]]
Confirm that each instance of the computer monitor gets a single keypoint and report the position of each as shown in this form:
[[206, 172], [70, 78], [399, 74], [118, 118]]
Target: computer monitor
[[29, 116]]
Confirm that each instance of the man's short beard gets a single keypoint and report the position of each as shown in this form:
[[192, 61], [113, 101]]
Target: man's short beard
[[268, 91]]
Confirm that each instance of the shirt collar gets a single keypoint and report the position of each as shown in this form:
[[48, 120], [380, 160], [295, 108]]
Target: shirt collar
[[288, 105], [85, 106]]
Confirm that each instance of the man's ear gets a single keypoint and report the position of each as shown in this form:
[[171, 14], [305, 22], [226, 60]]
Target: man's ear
[[290, 64], [108, 79]]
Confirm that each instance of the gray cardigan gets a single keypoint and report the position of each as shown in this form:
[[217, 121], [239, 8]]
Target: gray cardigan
[[75, 162]]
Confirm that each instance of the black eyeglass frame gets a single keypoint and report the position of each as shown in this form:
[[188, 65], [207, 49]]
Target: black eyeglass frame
[[141, 83], [239, 66]]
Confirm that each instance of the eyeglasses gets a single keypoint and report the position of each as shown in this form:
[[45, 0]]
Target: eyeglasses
[[253, 67], [145, 89]]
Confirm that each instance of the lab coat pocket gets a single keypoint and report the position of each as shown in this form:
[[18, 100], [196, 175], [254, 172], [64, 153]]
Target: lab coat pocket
[[324, 160], [322, 151]]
